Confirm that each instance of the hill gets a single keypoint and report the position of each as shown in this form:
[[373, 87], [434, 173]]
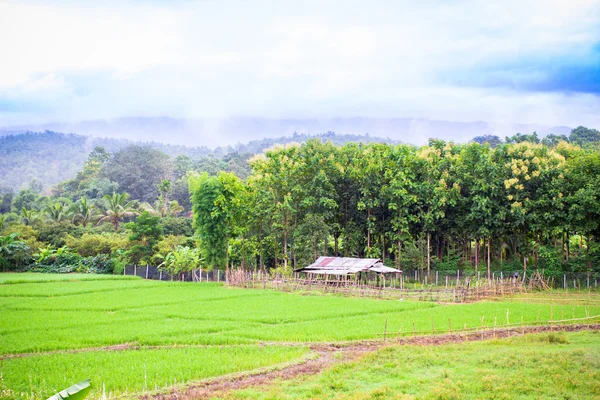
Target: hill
[[47, 158]]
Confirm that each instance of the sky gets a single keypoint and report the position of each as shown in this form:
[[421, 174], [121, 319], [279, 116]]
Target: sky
[[502, 62]]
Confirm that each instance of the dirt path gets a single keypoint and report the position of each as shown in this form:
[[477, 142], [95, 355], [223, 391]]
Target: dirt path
[[325, 355]]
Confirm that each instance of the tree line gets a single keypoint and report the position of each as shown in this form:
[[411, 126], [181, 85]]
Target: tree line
[[514, 204]]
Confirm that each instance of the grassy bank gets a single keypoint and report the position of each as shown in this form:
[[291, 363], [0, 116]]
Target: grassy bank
[[542, 366]]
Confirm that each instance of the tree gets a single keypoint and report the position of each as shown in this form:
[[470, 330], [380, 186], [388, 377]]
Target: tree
[[146, 232], [492, 140], [56, 212], [582, 136], [83, 212], [117, 209], [520, 138], [435, 189], [13, 252], [552, 140], [138, 170], [215, 200], [401, 194], [28, 217], [182, 259]]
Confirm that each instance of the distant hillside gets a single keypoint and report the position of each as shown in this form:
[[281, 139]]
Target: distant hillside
[[51, 157], [225, 131]]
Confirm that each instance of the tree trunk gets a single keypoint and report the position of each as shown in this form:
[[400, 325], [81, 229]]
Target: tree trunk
[[476, 254], [428, 252], [368, 227], [489, 267], [383, 248], [285, 248], [335, 245]]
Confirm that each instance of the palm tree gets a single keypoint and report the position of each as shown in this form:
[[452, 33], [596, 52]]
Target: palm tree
[[56, 212], [28, 216], [84, 212], [160, 210], [117, 208]]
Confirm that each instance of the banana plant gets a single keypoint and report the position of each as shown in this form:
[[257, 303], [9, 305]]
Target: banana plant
[[78, 391]]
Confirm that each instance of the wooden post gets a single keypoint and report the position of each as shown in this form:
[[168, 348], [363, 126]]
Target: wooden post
[[385, 330], [134, 269], [146, 271]]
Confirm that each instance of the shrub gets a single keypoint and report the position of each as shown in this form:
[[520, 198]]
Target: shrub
[[92, 244]]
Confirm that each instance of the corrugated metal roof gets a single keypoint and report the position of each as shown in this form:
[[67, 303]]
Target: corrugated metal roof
[[346, 266]]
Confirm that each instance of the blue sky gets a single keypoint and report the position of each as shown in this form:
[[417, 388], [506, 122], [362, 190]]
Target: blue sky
[[520, 61]]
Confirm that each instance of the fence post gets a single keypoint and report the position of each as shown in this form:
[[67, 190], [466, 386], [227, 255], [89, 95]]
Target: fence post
[[146, 271], [436, 278], [565, 281], [134, 269], [218, 275]]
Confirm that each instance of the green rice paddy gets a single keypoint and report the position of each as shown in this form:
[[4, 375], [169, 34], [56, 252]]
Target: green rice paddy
[[236, 329]]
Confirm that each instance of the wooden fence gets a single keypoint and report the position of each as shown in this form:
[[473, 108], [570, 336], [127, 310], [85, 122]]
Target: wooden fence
[[458, 291]]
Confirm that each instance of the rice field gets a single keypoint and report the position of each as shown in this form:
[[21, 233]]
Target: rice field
[[237, 329], [539, 366]]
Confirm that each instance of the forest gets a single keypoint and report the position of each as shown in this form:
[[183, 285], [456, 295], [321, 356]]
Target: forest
[[47, 158], [520, 203]]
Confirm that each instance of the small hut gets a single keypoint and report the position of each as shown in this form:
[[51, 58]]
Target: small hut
[[345, 267]]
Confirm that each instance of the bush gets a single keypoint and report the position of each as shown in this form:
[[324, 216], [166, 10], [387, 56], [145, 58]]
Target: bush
[[178, 226], [101, 264], [56, 234], [60, 261], [92, 244]]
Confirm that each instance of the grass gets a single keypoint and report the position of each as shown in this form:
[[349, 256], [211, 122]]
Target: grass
[[145, 370], [542, 366], [45, 313], [31, 277]]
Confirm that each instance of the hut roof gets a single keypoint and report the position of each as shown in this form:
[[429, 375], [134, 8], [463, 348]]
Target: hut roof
[[347, 266]]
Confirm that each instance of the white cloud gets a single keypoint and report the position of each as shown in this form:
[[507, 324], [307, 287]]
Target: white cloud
[[322, 58]]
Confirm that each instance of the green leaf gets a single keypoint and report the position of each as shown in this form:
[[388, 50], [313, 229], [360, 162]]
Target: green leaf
[[78, 391]]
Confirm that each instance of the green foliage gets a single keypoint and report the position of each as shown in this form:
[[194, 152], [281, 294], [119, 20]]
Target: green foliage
[[61, 260], [78, 391], [91, 244], [583, 136], [56, 234], [146, 232], [215, 203], [101, 264], [181, 226], [13, 252], [138, 170], [182, 259], [117, 208]]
